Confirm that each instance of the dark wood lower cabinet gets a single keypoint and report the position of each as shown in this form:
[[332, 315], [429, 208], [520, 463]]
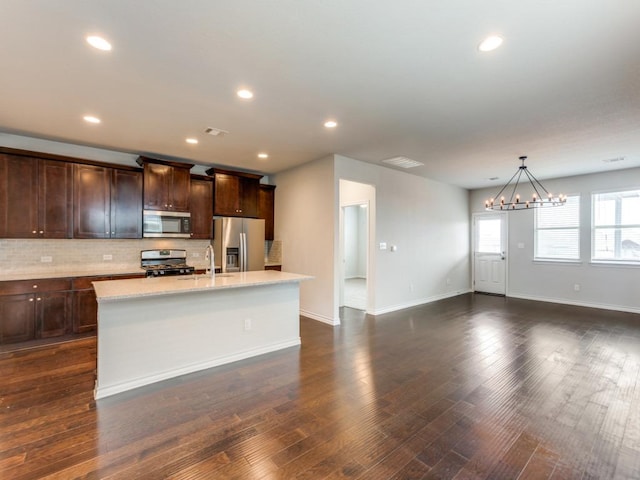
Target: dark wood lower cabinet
[[42, 314], [85, 306], [49, 308], [17, 318], [53, 314]]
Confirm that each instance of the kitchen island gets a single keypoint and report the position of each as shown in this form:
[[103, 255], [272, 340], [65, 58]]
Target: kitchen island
[[153, 329]]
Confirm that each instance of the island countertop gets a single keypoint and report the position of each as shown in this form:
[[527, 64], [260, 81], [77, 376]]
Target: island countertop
[[113, 290]]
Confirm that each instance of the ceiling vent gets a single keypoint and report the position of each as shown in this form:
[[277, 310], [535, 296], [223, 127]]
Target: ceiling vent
[[216, 132], [613, 160], [402, 162]]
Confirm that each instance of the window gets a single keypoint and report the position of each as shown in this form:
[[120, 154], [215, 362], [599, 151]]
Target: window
[[616, 226], [557, 231]]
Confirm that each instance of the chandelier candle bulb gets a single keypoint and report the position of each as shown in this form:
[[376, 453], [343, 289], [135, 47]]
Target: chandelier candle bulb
[[514, 203]]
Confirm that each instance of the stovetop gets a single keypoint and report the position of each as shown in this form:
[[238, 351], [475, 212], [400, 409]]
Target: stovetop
[[158, 263]]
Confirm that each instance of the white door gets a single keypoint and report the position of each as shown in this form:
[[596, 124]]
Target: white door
[[489, 253]]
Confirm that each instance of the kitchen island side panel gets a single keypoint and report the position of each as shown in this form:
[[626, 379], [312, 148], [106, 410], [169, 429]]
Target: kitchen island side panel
[[142, 340]]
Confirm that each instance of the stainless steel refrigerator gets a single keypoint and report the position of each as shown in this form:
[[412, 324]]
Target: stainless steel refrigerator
[[238, 244]]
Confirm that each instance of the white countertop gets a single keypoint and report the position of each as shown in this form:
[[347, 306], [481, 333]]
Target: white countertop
[[71, 273], [113, 290], [92, 271]]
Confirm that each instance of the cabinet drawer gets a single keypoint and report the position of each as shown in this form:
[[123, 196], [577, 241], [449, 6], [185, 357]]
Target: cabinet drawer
[[85, 283], [30, 286]]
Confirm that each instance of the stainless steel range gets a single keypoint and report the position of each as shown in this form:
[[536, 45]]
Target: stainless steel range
[[161, 263]]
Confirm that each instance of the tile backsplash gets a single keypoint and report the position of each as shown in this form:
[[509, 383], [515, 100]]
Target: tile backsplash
[[65, 255]]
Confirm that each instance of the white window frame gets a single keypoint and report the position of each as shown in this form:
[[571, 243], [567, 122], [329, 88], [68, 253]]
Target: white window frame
[[576, 228], [616, 226]]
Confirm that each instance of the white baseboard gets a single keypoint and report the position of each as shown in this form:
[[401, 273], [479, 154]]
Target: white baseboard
[[562, 301], [422, 301], [320, 318]]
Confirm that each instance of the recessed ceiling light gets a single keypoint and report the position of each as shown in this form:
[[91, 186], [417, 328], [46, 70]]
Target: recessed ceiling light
[[244, 93], [91, 119], [331, 124], [192, 141], [99, 43], [490, 43], [263, 155]]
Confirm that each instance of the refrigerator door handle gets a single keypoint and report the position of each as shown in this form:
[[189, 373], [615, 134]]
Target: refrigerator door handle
[[243, 252]]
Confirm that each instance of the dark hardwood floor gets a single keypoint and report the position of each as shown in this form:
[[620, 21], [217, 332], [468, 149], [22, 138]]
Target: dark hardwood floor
[[473, 387]]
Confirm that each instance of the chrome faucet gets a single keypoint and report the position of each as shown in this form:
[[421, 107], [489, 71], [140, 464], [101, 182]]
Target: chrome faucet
[[210, 257]]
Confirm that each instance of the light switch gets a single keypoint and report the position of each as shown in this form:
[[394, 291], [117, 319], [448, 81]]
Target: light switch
[[383, 245], [393, 248]]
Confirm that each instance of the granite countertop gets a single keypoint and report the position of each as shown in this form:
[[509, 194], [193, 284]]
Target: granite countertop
[[113, 290], [80, 272], [98, 271]]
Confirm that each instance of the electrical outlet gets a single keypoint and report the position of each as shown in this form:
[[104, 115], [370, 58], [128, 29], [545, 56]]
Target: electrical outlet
[[46, 259], [383, 245], [247, 324], [107, 257], [576, 287]]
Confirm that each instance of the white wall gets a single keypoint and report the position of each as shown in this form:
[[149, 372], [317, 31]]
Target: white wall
[[614, 287], [428, 221], [307, 225]]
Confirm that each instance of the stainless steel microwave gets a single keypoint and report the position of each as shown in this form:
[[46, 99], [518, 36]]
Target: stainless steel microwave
[[158, 224]]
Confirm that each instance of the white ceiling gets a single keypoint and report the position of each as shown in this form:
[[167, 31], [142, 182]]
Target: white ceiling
[[402, 78]]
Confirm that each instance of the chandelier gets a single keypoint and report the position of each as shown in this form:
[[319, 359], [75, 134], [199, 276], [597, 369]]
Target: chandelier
[[540, 198]]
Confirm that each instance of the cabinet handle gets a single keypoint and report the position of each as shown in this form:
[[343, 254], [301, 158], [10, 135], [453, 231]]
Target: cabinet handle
[[170, 206], [34, 232], [31, 299], [38, 299], [41, 232], [35, 286]]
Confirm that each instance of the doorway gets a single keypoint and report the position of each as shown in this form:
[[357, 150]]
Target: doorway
[[490, 253], [354, 258], [355, 267]]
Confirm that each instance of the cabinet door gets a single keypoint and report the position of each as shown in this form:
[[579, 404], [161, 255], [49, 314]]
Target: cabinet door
[[53, 314], [17, 318], [179, 193], [126, 204], [18, 197], [55, 206], [157, 179], [266, 204], [249, 189], [201, 208], [91, 200], [226, 195], [85, 311]]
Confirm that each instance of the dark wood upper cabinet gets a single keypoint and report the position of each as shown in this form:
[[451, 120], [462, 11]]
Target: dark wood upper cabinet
[[201, 207], [108, 202], [91, 198], [126, 204], [35, 197], [167, 185], [235, 194], [55, 193], [266, 206]]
